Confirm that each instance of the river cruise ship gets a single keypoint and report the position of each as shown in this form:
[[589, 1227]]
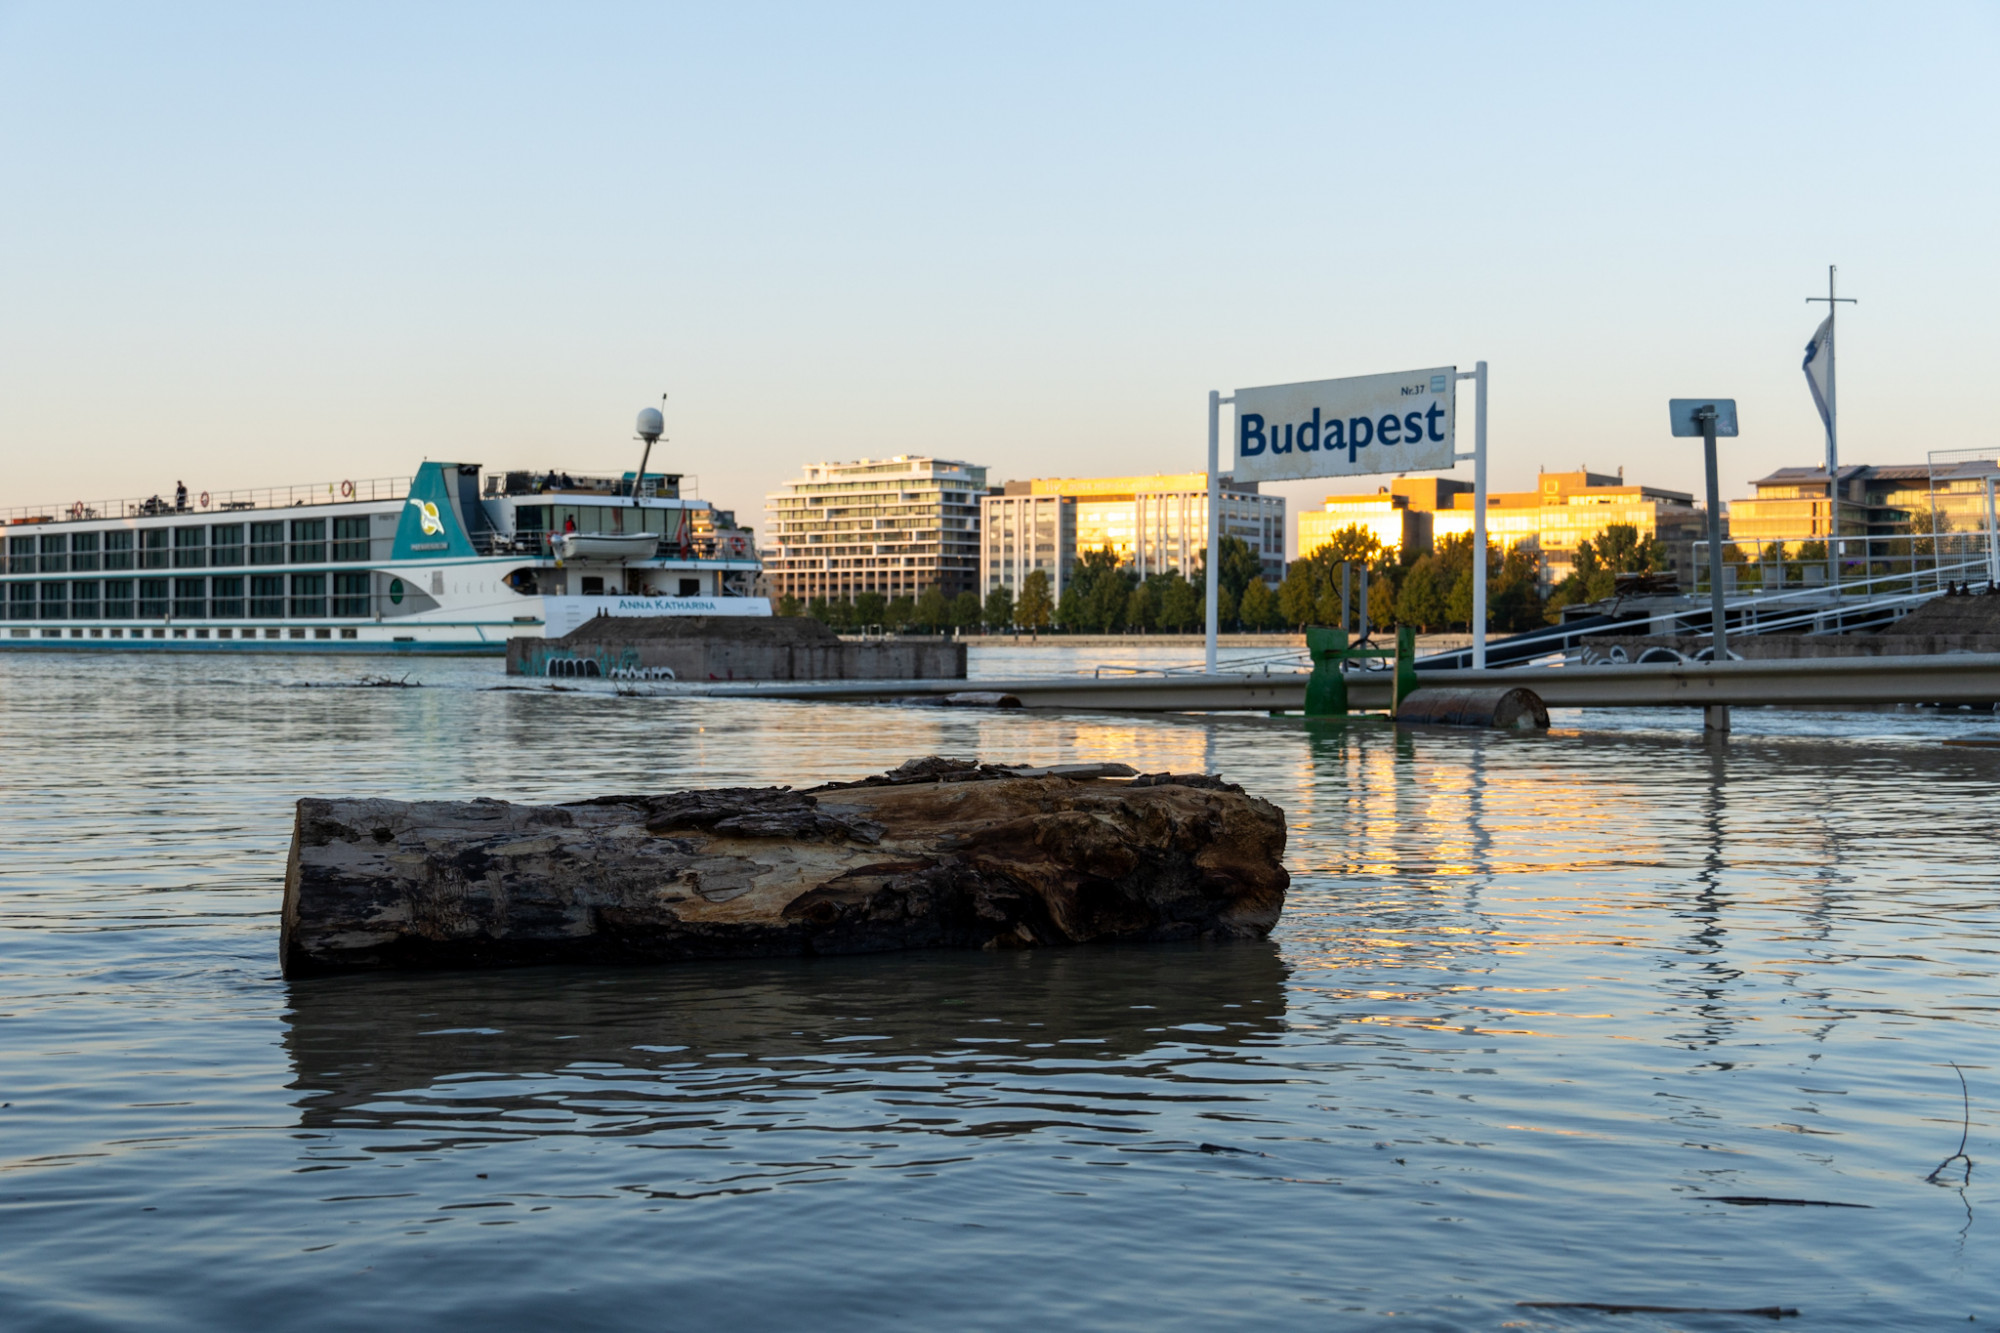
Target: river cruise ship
[[442, 562]]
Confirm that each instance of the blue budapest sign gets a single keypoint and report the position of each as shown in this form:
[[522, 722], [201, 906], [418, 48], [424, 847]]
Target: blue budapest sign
[[1347, 427]]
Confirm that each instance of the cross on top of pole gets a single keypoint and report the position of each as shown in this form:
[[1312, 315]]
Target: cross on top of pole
[[1830, 299]]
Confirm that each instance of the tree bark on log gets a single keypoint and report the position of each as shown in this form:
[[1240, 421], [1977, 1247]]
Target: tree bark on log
[[938, 854]]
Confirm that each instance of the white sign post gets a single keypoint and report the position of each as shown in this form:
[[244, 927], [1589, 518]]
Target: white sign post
[[1404, 422]]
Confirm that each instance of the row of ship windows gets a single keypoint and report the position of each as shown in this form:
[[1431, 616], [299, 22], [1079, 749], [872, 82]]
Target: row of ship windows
[[294, 632], [196, 546], [271, 596]]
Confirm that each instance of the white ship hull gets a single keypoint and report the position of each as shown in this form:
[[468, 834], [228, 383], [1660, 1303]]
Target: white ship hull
[[433, 568]]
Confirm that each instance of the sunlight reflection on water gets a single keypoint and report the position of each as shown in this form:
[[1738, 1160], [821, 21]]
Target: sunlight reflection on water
[[1536, 1004]]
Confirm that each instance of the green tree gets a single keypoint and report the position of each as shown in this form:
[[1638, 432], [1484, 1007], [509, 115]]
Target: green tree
[[999, 610], [1036, 609], [1235, 570], [1181, 605], [931, 611], [1420, 601], [788, 605], [965, 611], [1617, 549], [1310, 593], [901, 613], [870, 608], [1258, 607], [1141, 608], [819, 610], [1514, 594]]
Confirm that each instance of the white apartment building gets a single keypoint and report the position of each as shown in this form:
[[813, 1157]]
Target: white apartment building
[[893, 525]]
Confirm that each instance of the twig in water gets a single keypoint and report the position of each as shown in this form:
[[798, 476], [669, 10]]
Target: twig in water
[[1749, 1200], [1965, 1096]]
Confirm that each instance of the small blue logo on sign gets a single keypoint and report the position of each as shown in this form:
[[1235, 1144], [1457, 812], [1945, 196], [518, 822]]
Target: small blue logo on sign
[[1437, 384]]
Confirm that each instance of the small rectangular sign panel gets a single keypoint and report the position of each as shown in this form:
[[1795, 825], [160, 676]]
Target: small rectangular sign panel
[[1682, 410], [561, 614], [1347, 427]]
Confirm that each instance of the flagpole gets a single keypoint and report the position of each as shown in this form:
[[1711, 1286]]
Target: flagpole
[[1833, 304], [1832, 437]]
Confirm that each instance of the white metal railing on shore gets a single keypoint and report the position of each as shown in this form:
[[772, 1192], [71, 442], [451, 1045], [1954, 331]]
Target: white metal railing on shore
[[1782, 565], [214, 502]]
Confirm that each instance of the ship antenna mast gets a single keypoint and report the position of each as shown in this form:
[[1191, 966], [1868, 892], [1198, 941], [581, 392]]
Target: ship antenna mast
[[651, 422]]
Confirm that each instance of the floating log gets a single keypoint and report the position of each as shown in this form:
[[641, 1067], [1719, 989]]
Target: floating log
[[939, 853], [1510, 709]]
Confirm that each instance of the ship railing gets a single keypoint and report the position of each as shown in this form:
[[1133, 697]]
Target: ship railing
[[537, 544], [203, 504]]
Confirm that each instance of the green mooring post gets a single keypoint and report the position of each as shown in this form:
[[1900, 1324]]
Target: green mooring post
[[1326, 691], [1406, 667]]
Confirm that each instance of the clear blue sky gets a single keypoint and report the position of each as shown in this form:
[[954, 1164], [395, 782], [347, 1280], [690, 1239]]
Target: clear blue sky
[[264, 244]]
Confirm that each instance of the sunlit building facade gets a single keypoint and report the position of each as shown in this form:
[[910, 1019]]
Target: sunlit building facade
[[1152, 523], [895, 526], [1793, 505], [1564, 510]]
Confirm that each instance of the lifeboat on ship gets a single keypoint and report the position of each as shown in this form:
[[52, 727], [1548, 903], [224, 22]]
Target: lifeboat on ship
[[606, 545]]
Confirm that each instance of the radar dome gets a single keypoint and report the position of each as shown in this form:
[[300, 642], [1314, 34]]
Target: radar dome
[[651, 423]]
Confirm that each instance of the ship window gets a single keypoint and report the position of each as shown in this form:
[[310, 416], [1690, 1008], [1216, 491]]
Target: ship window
[[308, 596], [225, 544], [350, 594], [21, 554], [350, 538], [83, 552], [55, 553], [267, 598], [20, 601], [153, 548], [271, 633], [55, 601], [118, 550], [298, 633], [308, 541], [152, 598], [226, 598], [531, 518], [191, 548], [117, 599], [267, 543], [350, 634], [322, 634], [190, 599], [222, 634], [83, 599]]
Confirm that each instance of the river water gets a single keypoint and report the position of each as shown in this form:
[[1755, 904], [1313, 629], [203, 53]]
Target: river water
[[1538, 1006]]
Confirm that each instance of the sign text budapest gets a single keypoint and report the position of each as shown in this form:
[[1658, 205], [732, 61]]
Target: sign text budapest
[[1347, 427]]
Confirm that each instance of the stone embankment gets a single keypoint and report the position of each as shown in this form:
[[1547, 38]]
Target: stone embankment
[[705, 648], [940, 853]]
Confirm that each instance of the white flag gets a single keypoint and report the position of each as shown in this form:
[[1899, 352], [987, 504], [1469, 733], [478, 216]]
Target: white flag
[[1819, 365]]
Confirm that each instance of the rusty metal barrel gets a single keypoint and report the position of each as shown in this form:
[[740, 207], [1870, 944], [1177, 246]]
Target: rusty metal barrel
[[1507, 708]]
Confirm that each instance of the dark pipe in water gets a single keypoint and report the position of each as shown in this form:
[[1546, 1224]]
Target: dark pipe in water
[[1514, 708]]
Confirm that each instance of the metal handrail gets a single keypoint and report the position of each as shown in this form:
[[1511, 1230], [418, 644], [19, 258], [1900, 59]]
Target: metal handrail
[[219, 502]]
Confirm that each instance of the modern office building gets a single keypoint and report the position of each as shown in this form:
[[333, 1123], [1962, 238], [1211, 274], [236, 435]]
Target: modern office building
[[893, 525], [1793, 504], [1564, 510], [1152, 523]]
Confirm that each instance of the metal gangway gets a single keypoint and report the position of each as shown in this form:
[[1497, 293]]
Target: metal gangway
[[1814, 608]]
